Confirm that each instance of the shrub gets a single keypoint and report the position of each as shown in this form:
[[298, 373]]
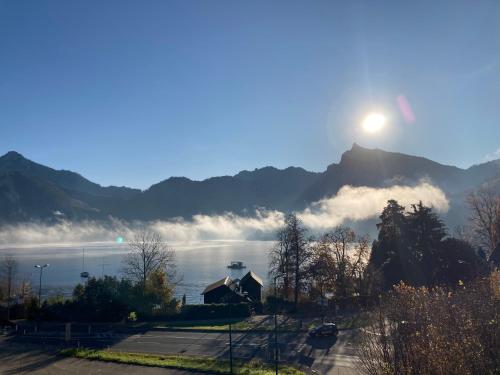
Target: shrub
[[215, 311], [132, 316], [436, 331]]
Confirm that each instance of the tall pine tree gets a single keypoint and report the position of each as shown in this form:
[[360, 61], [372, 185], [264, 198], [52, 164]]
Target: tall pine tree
[[388, 251]]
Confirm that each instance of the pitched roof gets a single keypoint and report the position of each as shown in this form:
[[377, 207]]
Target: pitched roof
[[225, 281], [253, 275]]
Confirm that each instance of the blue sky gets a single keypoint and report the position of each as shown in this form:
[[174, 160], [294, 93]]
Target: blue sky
[[130, 93]]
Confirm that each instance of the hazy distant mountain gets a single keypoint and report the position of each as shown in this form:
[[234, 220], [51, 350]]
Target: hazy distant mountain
[[24, 198], [32, 191], [71, 181], [243, 193]]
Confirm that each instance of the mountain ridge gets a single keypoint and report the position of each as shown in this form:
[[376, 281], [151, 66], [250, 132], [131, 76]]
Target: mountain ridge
[[23, 183], [493, 163]]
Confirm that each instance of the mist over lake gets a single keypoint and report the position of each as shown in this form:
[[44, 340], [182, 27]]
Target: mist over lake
[[199, 263]]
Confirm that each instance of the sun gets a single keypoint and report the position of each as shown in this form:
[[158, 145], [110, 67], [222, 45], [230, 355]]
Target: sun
[[374, 122]]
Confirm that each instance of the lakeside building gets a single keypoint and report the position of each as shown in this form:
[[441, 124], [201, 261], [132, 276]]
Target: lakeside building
[[248, 289]]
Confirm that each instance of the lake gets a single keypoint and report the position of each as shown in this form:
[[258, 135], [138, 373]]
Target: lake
[[199, 263]]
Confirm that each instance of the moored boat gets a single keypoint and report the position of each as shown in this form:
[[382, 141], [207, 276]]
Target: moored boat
[[236, 265]]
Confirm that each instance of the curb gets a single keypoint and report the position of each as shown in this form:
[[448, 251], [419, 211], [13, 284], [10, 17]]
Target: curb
[[178, 329]]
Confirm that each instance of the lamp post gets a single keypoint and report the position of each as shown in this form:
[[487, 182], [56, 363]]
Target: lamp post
[[40, 286]]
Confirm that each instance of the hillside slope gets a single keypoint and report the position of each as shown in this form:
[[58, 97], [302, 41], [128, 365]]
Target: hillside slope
[[31, 191]]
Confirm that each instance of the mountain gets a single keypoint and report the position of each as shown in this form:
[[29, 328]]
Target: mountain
[[179, 196], [30, 191], [67, 180], [374, 167], [24, 198]]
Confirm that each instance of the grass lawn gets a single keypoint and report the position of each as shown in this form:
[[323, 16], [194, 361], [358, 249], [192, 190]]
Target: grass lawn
[[215, 325], [284, 324], [202, 364], [237, 324]]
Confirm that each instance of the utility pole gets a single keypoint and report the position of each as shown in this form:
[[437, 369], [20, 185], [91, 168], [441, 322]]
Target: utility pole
[[229, 299], [275, 326], [40, 285], [230, 339]]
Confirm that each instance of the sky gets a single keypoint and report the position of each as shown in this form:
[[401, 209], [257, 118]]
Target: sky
[[133, 92]]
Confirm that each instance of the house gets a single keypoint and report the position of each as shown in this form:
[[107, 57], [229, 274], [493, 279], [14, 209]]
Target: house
[[248, 289], [221, 291], [252, 284]]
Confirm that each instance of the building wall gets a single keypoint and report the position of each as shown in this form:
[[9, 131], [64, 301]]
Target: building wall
[[217, 295], [253, 288]]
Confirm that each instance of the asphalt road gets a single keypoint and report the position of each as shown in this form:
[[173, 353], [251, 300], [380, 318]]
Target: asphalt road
[[20, 359], [326, 355]]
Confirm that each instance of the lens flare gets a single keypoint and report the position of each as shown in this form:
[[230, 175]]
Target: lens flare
[[405, 109], [374, 122]]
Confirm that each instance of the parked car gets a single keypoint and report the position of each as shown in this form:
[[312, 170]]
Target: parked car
[[326, 329]]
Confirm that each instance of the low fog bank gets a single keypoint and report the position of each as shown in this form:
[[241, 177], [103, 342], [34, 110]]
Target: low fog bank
[[349, 205], [362, 203]]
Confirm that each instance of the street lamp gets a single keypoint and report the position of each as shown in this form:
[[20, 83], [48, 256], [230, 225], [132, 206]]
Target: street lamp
[[40, 287]]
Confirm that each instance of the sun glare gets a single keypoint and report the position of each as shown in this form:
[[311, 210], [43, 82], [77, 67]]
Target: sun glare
[[374, 122]]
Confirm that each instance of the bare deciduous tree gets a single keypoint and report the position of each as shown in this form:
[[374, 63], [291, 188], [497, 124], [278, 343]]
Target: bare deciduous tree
[[464, 233], [485, 218], [148, 254], [280, 261], [300, 253], [321, 270], [339, 261], [290, 256], [25, 288]]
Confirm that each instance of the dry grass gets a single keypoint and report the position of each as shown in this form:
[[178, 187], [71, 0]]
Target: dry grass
[[202, 364]]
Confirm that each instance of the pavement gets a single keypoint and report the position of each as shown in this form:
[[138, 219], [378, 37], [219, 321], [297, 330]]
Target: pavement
[[21, 359], [327, 355]]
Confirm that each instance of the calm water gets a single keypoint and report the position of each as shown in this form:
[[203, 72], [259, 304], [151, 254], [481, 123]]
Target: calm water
[[198, 263]]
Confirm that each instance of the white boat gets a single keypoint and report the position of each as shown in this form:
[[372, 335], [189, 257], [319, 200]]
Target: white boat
[[236, 265]]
